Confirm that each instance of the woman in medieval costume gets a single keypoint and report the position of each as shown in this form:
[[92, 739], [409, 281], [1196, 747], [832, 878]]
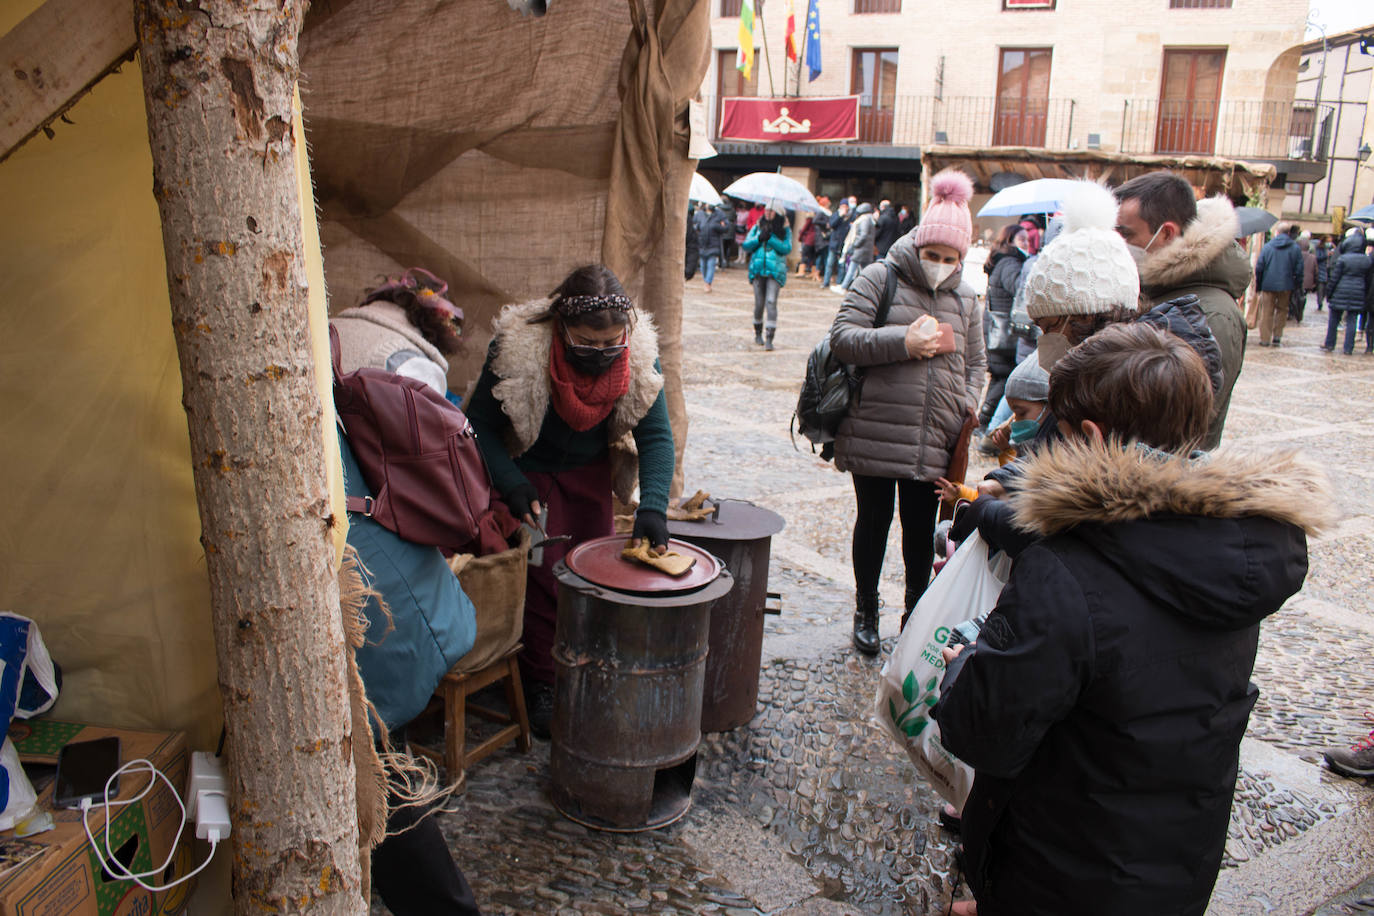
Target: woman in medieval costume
[[569, 409]]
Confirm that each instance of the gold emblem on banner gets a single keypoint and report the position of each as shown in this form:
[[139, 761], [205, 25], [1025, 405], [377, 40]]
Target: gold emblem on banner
[[786, 125]]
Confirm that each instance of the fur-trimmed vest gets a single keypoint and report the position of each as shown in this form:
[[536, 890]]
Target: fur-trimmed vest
[[522, 365]]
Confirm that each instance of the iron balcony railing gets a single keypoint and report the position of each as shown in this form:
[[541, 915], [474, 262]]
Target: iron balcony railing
[[1233, 129], [909, 120]]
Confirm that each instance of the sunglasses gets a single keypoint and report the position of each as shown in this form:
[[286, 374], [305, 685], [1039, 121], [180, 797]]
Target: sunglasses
[[588, 352]]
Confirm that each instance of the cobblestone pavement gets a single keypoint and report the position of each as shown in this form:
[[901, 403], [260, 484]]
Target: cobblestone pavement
[[808, 809]]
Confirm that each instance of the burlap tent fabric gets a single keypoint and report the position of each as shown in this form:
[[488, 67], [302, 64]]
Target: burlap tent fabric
[[501, 150]]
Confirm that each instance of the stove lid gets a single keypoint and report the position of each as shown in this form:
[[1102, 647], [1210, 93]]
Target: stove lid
[[599, 562], [737, 520]]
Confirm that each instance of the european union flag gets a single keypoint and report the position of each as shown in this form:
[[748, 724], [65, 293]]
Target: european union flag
[[813, 40]]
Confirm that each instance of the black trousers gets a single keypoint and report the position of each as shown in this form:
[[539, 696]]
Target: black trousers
[[918, 501], [412, 869], [414, 873]]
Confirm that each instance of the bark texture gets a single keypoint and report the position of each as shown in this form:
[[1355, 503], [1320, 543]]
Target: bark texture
[[219, 78]]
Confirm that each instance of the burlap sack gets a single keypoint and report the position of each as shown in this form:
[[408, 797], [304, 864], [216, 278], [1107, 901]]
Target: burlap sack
[[496, 585]]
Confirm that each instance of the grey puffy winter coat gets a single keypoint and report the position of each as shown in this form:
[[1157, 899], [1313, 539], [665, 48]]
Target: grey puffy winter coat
[[907, 418], [861, 234]]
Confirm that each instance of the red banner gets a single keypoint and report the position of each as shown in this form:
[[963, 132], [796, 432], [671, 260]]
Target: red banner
[[790, 120]]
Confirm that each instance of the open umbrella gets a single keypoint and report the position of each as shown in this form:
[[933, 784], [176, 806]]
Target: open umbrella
[[1253, 219], [1043, 195], [1364, 214], [776, 189], [702, 192]]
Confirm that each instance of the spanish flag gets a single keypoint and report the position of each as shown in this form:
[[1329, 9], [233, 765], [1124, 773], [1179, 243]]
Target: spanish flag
[[791, 33], [744, 61]]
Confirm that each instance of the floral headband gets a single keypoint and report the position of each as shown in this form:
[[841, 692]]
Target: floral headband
[[572, 306], [428, 289]]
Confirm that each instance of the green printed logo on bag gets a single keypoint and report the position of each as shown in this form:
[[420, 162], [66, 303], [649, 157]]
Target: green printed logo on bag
[[916, 716]]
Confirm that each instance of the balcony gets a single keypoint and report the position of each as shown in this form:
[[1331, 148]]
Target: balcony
[[1261, 131], [959, 121], [1271, 131]]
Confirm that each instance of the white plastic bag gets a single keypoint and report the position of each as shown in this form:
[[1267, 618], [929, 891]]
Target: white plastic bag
[[909, 686], [21, 652]]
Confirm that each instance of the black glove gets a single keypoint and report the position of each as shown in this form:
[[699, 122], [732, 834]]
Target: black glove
[[653, 525], [519, 499], [965, 521]]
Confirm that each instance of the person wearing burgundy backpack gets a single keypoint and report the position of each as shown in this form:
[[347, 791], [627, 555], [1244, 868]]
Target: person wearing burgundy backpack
[[406, 326], [569, 409]]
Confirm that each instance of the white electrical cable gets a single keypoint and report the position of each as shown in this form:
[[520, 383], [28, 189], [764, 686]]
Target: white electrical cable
[[117, 868]]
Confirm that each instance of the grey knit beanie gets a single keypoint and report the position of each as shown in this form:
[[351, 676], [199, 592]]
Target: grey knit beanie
[[1028, 381]]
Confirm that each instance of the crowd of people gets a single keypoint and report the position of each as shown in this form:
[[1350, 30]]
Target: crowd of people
[[1103, 702]]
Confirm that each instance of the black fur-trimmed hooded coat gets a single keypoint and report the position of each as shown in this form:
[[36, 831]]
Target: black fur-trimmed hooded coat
[[1103, 705]]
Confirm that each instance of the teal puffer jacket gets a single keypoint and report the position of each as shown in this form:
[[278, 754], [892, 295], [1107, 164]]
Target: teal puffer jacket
[[768, 259]]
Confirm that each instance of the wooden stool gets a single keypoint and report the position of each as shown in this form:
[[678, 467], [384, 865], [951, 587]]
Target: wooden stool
[[455, 689]]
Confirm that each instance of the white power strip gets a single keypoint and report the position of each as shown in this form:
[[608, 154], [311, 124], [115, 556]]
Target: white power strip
[[207, 796]]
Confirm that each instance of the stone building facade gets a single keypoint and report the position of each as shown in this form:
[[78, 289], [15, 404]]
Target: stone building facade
[[1212, 78], [1338, 71]]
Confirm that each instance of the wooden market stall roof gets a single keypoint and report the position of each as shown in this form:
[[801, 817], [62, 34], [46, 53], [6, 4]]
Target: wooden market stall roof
[[1209, 174]]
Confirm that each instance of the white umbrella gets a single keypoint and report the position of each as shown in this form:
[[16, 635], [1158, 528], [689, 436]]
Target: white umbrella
[[1043, 195], [776, 189], [702, 192]]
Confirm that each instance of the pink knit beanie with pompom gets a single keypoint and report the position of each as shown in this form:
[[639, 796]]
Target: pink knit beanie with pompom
[[946, 220]]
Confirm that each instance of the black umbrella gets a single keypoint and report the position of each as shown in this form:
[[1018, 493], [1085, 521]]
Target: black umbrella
[[1253, 219]]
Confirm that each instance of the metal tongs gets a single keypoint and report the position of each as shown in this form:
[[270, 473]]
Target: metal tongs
[[536, 552]]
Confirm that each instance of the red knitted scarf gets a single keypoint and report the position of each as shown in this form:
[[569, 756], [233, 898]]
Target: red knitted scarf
[[584, 400]]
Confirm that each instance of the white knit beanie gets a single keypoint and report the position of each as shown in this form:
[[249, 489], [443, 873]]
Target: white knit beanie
[[1087, 269]]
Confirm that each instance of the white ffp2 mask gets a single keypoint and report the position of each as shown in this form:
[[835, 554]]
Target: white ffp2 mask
[[936, 273]]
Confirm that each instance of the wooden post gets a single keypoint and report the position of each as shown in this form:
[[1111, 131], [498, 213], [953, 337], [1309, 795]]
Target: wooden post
[[219, 78]]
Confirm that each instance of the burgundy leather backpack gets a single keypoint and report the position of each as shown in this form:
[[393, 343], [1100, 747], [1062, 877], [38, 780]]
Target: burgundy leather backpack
[[418, 454]]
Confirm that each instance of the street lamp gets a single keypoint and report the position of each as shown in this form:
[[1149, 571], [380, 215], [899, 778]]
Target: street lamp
[[1364, 151]]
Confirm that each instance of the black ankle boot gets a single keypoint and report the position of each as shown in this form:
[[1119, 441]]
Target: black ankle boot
[[539, 708], [758, 334], [768, 340], [912, 597], [866, 623]]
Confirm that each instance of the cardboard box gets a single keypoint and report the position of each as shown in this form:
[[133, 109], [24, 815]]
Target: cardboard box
[[57, 873]]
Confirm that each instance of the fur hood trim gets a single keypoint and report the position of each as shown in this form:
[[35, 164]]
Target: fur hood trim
[[1072, 483], [522, 366], [1202, 242]]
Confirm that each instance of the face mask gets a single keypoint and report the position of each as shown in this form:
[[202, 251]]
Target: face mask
[[1025, 430], [1050, 349], [1138, 253], [936, 273], [594, 362]]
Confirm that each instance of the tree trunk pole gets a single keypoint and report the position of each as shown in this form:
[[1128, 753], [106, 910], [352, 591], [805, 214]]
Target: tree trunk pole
[[219, 78]]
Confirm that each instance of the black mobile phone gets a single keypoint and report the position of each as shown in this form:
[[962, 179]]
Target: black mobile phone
[[83, 769]]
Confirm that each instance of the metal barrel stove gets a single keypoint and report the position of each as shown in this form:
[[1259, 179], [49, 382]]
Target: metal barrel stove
[[741, 534], [629, 669]]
